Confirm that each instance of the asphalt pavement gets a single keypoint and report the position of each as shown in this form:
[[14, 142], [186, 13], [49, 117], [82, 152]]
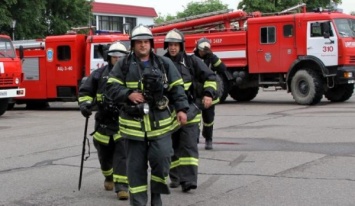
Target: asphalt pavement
[[267, 152]]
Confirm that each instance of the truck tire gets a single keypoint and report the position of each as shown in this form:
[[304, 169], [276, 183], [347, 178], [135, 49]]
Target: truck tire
[[243, 95], [307, 87], [340, 93], [222, 88], [3, 105], [10, 106], [37, 105]]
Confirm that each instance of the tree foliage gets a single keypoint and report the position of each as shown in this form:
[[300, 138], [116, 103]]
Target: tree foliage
[[268, 6], [194, 8], [40, 18]]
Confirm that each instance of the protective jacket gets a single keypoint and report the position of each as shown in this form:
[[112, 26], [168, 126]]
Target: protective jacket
[[127, 76], [198, 80], [106, 123]]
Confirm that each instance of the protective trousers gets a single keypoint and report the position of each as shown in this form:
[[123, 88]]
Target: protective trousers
[[157, 152], [208, 121], [112, 158], [185, 159]]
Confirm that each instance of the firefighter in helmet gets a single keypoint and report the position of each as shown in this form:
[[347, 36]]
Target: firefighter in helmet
[[199, 84], [107, 140], [153, 104], [203, 50]]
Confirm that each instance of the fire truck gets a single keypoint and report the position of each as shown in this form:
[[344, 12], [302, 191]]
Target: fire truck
[[309, 54], [55, 66], [10, 73]]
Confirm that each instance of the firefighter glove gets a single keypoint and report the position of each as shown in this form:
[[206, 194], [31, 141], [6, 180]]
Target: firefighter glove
[[85, 109]]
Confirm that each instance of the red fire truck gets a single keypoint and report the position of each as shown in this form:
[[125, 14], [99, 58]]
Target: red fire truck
[[10, 73], [54, 67], [309, 54]]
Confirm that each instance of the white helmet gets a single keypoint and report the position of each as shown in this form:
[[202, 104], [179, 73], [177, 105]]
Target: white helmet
[[117, 49], [203, 44], [141, 32], [175, 36]]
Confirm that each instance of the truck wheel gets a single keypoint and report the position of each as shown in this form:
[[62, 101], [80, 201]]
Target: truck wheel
[[222, 88], [307, 87], [243, 95], [37, 105], [340, 93], [10, 106], [3, 105]]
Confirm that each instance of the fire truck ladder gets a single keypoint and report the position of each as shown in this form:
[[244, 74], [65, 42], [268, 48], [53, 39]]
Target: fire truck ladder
[[29, 44], [204, 22]]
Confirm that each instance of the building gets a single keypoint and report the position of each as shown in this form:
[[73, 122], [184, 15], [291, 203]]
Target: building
[[116, 17]]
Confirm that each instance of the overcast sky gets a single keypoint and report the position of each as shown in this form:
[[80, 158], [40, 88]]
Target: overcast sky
[[165, 7]]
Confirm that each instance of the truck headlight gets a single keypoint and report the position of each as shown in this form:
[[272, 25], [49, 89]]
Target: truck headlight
[[17, 81], [348, 74]]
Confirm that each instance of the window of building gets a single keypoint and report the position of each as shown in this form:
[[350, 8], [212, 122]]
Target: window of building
[[63, 53], [93, 20], [114, 23], [268, 35], [131, 21], [288, 30]]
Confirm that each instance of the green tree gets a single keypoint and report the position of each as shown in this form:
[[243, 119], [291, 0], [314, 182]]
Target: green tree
[[195, 8], [5, 16], [267, 6], [40, 18], [160, 19]]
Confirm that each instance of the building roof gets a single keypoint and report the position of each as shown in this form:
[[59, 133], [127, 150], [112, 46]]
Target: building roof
[[107, 8]]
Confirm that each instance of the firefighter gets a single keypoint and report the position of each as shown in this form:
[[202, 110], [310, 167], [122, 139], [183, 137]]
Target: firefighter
[[154, 104], [109, 144], [197, 77], [203, 50]]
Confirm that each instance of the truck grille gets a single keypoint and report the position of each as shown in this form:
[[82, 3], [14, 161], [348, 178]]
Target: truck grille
[[6, 81], [352, 60]]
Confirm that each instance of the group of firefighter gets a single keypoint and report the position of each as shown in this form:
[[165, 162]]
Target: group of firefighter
[[149, 110]]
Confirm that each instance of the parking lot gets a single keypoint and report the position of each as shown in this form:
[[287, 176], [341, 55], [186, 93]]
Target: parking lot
[[269, 151]]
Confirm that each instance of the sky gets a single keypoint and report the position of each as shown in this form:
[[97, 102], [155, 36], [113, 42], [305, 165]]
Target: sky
[[165, 7]]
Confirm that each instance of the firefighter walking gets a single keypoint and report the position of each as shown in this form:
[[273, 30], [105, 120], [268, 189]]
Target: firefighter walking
[[203, 50], [199, 83], [153, 104], [109, 144]]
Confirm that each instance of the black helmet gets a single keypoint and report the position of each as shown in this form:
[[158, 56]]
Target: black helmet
[[203, 44], [175, 36], [141, 32]]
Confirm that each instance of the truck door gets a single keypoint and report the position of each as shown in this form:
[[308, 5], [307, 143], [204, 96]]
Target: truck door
[[61, 76], [324, 48], [268, 51]]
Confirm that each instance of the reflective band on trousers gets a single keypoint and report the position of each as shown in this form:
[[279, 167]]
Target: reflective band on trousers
[[120, 178], [138, 189]]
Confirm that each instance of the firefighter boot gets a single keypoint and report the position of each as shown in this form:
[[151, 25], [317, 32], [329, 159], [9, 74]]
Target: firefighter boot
[[208, 145], [174, 184], [122, 195], [108, 184], [186, 186], [155, 200]]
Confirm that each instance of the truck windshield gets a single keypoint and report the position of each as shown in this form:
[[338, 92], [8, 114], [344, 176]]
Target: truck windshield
[[6, 49], [346, 27]]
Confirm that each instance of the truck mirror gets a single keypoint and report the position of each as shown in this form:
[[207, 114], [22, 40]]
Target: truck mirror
[[21, 52]]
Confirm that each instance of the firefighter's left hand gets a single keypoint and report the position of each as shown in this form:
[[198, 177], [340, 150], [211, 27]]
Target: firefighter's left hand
[[207, 101], [181, 118]]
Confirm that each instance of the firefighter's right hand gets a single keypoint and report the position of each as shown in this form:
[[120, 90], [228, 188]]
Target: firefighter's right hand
[[136, 97], [85, 109]]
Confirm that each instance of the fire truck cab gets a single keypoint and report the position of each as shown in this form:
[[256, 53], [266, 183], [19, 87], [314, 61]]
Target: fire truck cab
[[54, 67], [309, 54], [10, 73]]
